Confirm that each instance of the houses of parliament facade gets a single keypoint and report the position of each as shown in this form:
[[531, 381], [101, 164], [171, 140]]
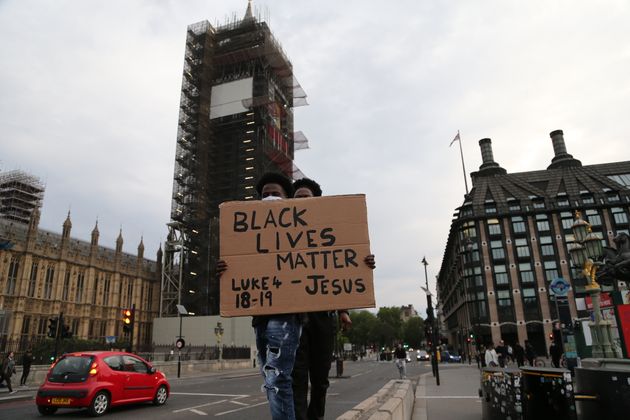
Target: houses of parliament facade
[[43, 274]]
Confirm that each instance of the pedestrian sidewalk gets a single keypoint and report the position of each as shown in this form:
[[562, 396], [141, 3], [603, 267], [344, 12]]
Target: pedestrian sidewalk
[[23, 393], [457, 397]]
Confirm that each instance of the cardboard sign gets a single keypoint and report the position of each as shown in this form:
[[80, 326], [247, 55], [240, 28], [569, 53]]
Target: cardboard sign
[[295, 255]]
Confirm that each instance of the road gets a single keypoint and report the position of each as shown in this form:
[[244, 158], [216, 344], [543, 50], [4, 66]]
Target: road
[[236, 395]]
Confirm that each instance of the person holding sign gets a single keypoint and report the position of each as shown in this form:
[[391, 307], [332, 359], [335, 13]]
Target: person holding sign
[[314, 355], [277, 336]]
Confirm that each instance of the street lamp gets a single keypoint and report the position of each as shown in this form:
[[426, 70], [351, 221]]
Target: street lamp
[[467, 249], [584, 254], [434, 335], [181, 310], [218, 332]]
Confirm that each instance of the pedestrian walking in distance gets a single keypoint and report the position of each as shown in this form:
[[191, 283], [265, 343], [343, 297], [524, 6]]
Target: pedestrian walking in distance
[[8, 370], [519, 354], [529, 352], [555, 351], [401, 361], [27, 361], [491, 357]]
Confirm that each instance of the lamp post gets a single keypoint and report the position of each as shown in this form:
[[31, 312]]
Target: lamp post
[[467, 249], [218, 332], [585, 252], [434, 334], [180, 343]]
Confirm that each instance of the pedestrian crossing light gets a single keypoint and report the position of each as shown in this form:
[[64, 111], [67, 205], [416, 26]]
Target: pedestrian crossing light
[[127, 320]]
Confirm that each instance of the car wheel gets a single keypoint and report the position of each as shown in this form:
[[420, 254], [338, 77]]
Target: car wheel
[[99, 404], [161, 395], [45, 410]]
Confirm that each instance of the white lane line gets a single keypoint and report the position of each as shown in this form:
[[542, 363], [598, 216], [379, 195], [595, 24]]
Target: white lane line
[[199, 406], [201, 413], [239, 403], [362, 373], [239, 409], [427, 397], [209, 395]]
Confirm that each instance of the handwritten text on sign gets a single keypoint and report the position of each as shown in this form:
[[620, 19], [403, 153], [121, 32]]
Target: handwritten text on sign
[[295, 255]]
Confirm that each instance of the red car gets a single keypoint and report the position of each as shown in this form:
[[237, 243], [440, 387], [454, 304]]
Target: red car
[[97, 380]]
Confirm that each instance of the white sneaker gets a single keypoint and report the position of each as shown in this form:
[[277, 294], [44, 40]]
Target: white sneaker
[[12, 392]]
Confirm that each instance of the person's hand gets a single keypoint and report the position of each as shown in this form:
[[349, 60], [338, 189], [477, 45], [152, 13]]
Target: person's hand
[[369, 261], [221, 267], [346, 322]]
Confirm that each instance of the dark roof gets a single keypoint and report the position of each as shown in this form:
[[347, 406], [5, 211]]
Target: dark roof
[[547, 185]]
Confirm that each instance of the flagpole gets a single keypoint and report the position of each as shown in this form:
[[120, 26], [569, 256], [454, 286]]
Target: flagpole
[[461, 153]]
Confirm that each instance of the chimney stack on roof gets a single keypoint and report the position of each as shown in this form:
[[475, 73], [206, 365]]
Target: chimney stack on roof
[[561, 158], [488, 166]]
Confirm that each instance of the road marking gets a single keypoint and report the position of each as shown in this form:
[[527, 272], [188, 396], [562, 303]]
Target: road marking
[[239, 403], [332, 394], [199, 406], [239, 409], [246, 375], [362, 373], [427, 397], [201, 413], [209, 395]]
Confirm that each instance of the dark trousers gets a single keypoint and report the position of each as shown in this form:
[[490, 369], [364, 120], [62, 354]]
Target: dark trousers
[[8, 381], [313, 360], [24, 377]]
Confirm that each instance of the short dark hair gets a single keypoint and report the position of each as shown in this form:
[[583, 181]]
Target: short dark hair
[[275, 178], [310, 184]]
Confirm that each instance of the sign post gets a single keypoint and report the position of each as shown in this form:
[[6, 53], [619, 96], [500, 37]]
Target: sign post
[[560, 288]]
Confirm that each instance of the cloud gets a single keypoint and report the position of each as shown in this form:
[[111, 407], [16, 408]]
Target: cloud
[[91, 94]]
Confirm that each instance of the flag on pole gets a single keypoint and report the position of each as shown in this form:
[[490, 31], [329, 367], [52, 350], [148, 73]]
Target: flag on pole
[[455, 139]]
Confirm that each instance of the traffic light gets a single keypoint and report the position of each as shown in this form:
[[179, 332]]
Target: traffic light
[[53, 324], [127, 320]]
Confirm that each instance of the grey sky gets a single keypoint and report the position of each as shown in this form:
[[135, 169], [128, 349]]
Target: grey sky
[[89, 96]]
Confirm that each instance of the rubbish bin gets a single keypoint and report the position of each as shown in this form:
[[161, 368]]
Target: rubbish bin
[[602, 389], [547, 393], [500, 394]]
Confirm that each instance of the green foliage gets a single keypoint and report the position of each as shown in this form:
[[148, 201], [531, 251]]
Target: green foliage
[[363, 323], [413, 332], [384, 329]]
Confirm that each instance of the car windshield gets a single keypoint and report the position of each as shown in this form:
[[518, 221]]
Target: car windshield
[[422, 353], [72, 365]]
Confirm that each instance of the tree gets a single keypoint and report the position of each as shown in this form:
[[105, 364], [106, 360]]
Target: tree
[[363, 322], [390, 316], [413, 332]]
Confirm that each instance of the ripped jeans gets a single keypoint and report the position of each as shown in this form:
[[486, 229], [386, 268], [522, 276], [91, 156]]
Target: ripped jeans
[[277, 341]]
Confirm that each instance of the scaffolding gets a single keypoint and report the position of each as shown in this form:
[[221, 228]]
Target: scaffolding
[[220, 155], [20, 194]]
